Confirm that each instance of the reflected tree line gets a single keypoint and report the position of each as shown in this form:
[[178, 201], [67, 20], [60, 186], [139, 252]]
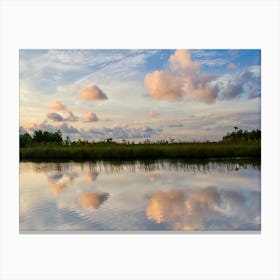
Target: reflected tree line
[[149, 166]]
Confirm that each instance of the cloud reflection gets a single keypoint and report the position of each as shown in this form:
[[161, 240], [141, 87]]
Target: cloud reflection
[[92, 200], [204, 209], [91, 176], [57, 188]]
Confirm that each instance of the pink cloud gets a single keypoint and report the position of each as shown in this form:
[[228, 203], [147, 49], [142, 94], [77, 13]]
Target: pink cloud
[[182, 82], [90, 117], [164, 85], [58, 106], [181, 61], [92, 93]]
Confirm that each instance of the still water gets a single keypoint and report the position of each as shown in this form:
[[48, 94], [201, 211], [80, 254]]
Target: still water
[[158, 196]]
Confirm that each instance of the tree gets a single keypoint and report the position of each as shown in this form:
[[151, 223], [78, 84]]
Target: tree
[[67, 141], [25, 140], [47, 137]]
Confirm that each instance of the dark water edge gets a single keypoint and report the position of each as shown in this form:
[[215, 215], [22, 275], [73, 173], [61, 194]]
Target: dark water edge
[[175, 163]]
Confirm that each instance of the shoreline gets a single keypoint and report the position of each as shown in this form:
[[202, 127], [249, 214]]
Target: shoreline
[[141, 152]]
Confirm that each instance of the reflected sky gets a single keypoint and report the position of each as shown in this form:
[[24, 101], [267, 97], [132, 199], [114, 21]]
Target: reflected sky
[[157, 196]]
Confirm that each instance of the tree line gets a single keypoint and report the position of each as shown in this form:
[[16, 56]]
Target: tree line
[[240, 136], [40, 137]]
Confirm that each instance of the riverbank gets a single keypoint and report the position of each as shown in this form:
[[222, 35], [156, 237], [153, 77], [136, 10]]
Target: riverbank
[[114, 151]]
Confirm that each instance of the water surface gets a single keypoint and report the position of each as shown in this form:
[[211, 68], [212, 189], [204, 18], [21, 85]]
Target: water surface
[[158, 196]]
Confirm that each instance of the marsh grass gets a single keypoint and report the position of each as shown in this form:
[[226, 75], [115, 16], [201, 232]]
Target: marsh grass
[[115, 151]]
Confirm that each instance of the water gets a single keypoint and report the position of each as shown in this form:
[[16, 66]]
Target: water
[[159, 196]]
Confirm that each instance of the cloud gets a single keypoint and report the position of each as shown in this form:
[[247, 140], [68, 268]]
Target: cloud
[[120, 132], [90, 117], [58, 106], [55, 117], [117, 132], [181, 61], [92, 200], [208, 207], [245, 83], [164, 85], [58, 118], [184, 81], [68, 129], [45, 126], [92, 93], [153, 114], [71, 117]]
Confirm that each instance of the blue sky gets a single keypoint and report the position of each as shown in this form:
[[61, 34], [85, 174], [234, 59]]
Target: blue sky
[[140, 94]]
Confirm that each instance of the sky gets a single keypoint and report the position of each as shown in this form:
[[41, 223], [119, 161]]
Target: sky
[[135, 95]]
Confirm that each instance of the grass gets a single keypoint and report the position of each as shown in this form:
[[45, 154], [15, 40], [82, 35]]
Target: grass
[[115, 151]]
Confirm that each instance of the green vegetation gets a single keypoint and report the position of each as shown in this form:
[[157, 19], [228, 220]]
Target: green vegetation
[[46, 146], [240, 136]]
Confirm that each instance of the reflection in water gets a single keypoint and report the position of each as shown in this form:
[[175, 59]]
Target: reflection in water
[[157, 196], [57, 188], [136, 166], [194, 210], [165, 206], [92, 201], [91, 176]]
